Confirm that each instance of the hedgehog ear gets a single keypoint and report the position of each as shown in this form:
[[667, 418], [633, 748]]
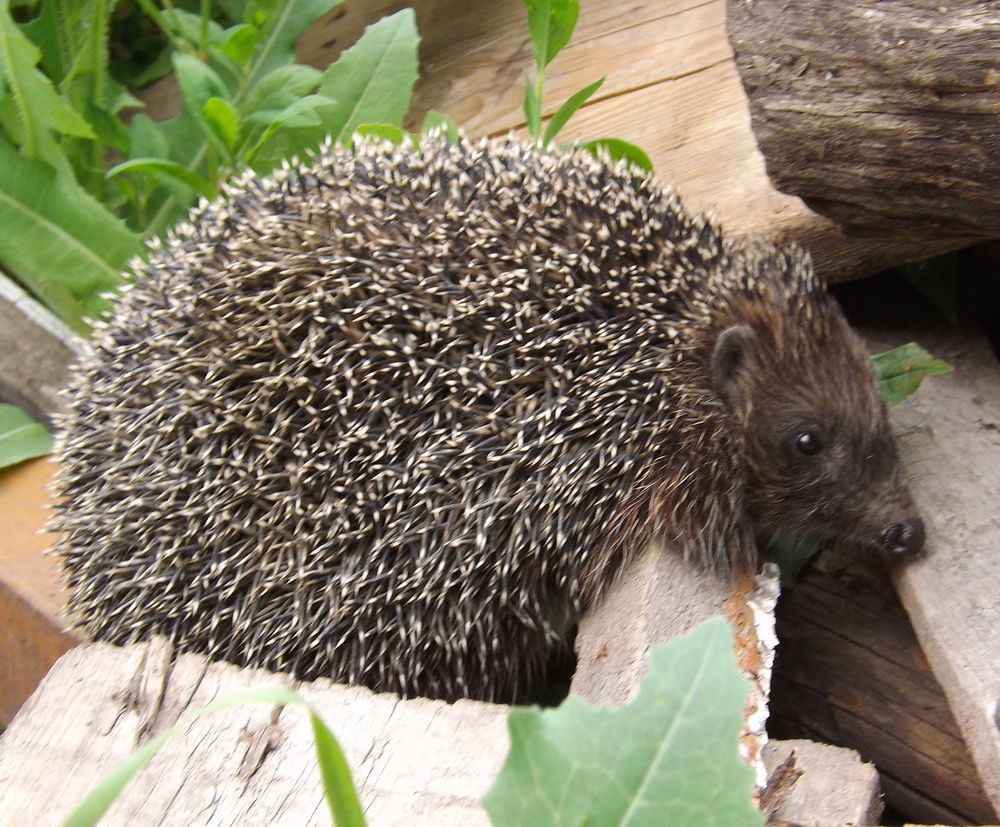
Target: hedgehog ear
[[729, 359]]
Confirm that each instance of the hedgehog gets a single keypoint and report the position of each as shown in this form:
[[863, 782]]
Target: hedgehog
[[397, 415]]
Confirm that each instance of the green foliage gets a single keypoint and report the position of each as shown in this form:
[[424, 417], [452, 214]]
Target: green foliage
[[669, 757], [244, 103], [551, 24], [338, 787], [60, 242], [21, 437], [901, 370]]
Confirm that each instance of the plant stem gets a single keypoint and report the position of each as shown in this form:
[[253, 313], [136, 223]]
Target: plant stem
[[98, 67]]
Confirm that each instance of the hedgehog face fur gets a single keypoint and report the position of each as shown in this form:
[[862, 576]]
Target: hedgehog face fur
[[395, 417]]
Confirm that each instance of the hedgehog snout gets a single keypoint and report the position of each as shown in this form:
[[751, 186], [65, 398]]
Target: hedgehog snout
[[904, 538]]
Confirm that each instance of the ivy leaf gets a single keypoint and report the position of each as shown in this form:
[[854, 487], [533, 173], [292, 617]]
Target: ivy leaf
[[565, 112], [901, 370], [372, 81], [21, 437], [669, 757], [57, 239], [551, 24]]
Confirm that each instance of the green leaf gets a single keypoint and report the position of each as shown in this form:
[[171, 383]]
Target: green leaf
[[156, 166], [551, 24], [307, 111], [341, 796], [373, 80], [188, 27], [670, 757], [565, 112], [239, 41], [183, 140], [289, 133], [284, 21], [60, 32], [198, 82], [223, 120], [37, 106], [901, 370], [146, 140], [21, 437], [57, 236], [278, 90], [108, 128], [617, 149]]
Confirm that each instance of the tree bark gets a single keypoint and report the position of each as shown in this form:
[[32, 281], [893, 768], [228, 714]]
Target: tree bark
[[882, 116]]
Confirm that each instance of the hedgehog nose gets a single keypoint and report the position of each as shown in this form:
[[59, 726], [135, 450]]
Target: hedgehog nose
[[905, 537]]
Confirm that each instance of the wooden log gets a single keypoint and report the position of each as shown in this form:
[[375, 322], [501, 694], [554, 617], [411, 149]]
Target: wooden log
[[881, 116], [850, 672]]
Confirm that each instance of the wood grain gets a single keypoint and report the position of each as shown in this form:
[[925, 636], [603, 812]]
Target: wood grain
[[850, 672], [949, 435], [881, 116], [417, 763]]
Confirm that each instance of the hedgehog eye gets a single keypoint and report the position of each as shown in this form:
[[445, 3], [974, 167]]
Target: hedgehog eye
[[808, 443]]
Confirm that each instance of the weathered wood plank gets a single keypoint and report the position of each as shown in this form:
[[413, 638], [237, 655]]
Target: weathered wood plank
[[418, 762], [415, 762], [849, 671], [949, 435], [31, 594], [36, 351], [836, 787]]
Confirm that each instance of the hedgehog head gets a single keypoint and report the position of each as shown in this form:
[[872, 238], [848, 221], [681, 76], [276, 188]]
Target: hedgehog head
[[816, 444]]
